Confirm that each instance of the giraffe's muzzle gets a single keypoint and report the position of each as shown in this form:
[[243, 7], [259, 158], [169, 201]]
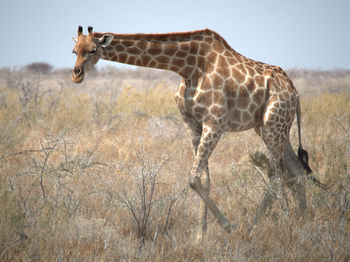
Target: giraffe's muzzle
[[78, 75]]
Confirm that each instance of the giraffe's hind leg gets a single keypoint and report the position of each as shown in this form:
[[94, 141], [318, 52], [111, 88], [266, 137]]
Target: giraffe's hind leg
[[286, 169], [295, 177], [278, 168], [274, 132], [286, 166]]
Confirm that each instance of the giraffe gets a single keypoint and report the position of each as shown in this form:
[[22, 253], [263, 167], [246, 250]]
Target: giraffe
[[221, 91]]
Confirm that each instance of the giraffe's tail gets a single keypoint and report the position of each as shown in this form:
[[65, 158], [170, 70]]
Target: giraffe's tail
[[303, 154]]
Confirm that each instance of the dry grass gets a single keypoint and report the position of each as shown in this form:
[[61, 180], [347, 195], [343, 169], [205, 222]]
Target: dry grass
[[98, 172]]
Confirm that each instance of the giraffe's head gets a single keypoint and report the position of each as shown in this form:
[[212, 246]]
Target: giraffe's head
[[88, 51]]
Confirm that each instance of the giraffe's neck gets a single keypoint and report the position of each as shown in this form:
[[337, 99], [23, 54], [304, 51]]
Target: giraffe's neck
[[178, 52]]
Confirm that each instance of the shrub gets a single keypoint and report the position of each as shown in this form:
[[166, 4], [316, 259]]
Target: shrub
[[39, 68]]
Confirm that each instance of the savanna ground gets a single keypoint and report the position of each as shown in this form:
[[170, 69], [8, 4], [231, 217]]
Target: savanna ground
[[98, 172]]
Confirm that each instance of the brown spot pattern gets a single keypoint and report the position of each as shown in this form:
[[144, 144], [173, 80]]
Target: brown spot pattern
[[238, 75]]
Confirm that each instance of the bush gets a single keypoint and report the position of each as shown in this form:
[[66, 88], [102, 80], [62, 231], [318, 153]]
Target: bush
[[39, 68]]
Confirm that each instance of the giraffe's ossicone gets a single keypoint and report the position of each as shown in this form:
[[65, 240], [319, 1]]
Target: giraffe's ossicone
[[221, 90]]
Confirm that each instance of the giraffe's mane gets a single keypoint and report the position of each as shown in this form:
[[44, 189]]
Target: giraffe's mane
[[156, 36], [165, 36]]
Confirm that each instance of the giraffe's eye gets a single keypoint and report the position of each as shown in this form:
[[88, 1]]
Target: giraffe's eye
[[93, 51]]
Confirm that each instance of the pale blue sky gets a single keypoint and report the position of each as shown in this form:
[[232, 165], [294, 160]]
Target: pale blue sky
[[311, 34]]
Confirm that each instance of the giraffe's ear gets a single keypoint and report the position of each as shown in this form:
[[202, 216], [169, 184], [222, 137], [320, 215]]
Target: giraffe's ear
[[75, 39], [105, 40]]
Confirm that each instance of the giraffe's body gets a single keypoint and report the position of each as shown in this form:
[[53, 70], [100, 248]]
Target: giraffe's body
[[221, 91]]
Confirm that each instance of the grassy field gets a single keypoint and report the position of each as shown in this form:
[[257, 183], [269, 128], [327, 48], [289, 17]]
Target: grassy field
[[98, 172]]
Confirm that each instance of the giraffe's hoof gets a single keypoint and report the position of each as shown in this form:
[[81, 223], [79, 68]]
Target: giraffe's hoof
[[234, 226], [195, 183], [230, 227]]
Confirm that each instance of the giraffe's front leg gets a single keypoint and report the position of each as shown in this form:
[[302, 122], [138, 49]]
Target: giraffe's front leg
[[204, 189], [197, 186], [195, 129], [207, 144]]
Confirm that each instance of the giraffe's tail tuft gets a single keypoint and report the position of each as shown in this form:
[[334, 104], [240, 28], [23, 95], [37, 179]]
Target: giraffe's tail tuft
[[302, 154], [304, 159]]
